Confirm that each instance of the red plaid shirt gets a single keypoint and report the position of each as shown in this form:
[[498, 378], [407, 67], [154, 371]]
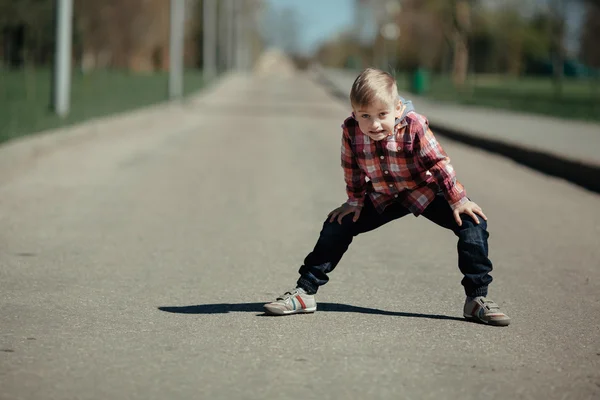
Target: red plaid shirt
[[409, 166]]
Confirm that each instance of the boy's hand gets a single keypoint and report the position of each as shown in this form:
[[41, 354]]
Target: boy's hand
[[344, 210], [469, 208]]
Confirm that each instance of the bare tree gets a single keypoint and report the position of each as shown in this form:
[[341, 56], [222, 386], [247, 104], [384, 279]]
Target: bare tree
[[462, 28], [454, 19], [557, 28], [590, 51]]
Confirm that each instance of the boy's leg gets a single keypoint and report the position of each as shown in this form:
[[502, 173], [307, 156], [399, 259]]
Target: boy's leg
[[472, 246], [334, 240], [473, 262]]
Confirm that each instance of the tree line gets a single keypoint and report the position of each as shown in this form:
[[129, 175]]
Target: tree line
[[462, 36]]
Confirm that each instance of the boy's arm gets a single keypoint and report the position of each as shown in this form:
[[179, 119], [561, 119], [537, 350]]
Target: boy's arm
[[355, 178], [432, 157]]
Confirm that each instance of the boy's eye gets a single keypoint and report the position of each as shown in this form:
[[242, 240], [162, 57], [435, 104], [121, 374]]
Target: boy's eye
[[383, 114], [365, 116]]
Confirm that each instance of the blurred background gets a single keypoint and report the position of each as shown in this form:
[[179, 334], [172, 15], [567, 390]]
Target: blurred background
[[538, 56]]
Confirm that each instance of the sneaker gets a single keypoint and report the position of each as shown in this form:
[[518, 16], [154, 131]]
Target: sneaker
[[485, 310], [292, 302]]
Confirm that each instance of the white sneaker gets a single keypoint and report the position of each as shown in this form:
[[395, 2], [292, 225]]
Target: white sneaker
[[485, 310], [292, 302]]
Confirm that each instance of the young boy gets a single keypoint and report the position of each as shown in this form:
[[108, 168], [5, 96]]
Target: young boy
[[394, 166]]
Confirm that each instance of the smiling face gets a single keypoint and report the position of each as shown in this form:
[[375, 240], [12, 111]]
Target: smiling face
[[378, 119], [374, 99]]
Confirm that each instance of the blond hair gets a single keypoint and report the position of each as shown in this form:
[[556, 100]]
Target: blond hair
[[371, 86]]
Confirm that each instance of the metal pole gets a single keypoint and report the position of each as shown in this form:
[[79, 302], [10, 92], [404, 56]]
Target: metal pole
[[209, 38], [222, 36], [177, 28], [249, 37], [62, 66], [230, 10], [239, 35]]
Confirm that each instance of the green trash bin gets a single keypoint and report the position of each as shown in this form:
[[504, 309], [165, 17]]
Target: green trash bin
[[420, 81], [352, 63]]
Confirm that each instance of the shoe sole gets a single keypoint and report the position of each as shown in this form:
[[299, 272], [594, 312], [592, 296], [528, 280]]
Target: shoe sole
[[279, 311], [500, 322]]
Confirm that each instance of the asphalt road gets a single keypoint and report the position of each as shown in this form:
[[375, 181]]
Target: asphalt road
[[135, 263]]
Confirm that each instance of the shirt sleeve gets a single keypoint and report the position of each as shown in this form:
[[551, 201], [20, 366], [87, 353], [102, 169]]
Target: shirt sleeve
[[433, 158], [356, 185]]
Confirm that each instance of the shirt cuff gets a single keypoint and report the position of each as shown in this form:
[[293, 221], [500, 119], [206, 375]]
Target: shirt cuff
[[459, 203], [355, 202]]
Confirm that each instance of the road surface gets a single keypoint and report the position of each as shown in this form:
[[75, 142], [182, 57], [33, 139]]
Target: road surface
[[135, 263]]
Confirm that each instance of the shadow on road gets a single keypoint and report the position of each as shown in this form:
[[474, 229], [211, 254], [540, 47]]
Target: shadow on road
[[327, 307]]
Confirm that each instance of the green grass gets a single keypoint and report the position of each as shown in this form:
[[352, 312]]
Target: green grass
[[25, 95], [579, 99]]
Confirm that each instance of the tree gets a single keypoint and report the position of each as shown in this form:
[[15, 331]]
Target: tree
[[454, 19], [590, 51], [336, 52], [28, 26], [557, 45], [462, 28]]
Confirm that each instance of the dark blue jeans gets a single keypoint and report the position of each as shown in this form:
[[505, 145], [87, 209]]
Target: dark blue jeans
[[335, 238]]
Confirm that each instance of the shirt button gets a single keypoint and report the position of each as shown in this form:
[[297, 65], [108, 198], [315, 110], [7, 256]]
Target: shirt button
[[395, 195], [386, 172], [391, 185], [382, 157]]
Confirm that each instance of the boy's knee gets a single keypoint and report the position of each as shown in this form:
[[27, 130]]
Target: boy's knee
[[471, 231], [335, 228], [469, 223]]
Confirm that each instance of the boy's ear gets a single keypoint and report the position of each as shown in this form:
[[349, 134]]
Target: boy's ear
[[398, 108]]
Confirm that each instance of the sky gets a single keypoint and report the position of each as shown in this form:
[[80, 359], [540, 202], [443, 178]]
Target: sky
[[323, 19], [320, 19]]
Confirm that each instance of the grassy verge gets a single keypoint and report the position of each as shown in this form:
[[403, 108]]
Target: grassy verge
[[25, 97], [578, 99]]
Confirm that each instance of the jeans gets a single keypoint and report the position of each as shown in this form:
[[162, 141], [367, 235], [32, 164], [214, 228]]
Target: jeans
[[335, 238]]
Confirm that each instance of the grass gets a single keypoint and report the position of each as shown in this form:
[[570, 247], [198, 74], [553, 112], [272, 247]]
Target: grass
[[25, 97], [578, 99]]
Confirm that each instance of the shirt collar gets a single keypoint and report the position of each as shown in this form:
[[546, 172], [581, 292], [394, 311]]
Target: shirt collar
[[406, 107]]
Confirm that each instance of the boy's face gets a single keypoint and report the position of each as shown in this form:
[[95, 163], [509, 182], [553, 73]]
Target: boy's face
[[377, 120]]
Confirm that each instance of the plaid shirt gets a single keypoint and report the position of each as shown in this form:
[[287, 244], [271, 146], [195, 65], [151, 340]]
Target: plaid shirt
[[409, 166]]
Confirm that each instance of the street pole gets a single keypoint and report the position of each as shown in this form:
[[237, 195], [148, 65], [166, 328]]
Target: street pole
[[62, 61], [222, 36], [230, 11], [240, 32], [176, 38], [249, 36], [209, 36]]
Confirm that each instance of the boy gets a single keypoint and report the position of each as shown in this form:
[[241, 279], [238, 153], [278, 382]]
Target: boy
[[394, 166]]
